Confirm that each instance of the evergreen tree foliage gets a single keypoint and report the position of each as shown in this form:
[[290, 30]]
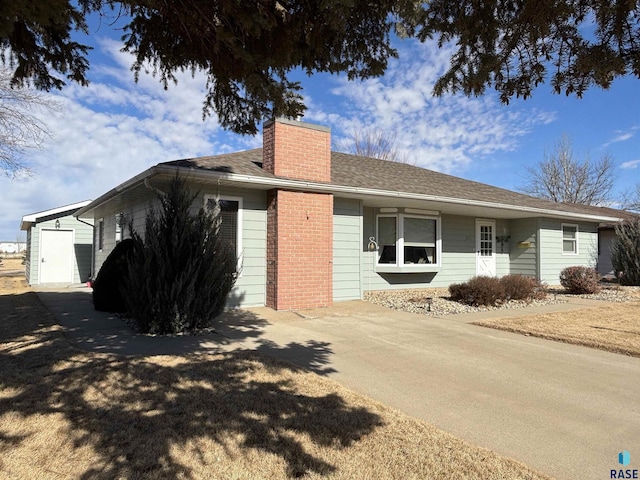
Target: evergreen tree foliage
[[248, 49], [181, 271], [625, 252]]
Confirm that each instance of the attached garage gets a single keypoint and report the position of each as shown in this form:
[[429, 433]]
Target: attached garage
[[59, 246]]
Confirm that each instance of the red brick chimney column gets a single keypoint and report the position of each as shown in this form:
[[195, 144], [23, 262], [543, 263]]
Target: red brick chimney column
[[299, 224]]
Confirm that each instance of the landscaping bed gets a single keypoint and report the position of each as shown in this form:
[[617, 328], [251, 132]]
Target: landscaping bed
[[416, 300]]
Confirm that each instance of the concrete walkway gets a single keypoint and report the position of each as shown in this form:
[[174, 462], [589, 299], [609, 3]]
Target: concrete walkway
[[562, 409]]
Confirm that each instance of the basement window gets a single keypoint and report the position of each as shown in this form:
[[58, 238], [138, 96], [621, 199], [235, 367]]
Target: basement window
[[408, 243]]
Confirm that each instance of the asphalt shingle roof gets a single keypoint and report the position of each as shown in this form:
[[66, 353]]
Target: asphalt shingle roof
[[371, 173]]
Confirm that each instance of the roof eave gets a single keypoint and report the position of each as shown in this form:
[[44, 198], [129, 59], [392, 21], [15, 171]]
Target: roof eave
[[28, 220], [320, 187], [127, 185], [365, 192]]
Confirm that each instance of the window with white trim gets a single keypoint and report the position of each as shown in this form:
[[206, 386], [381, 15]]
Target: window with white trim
[[119, 221], [408, 242], [569, 239], [230, 210]]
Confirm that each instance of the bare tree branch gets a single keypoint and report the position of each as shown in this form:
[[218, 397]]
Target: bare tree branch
[[20, 130], [630, 199], [561, 177], [375, 143]]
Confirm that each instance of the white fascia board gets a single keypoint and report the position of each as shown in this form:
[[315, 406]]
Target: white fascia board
[[332, 188], [27, 220], [127, 185]]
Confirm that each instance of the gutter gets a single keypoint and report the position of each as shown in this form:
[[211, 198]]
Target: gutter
[[123, 187], [332, 188], [320, 187]]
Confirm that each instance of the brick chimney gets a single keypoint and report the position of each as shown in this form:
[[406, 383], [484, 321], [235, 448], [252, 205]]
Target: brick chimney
[[297, 150], [299, 223]]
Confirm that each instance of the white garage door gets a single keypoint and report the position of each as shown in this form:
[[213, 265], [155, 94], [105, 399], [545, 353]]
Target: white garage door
[[56, 256]]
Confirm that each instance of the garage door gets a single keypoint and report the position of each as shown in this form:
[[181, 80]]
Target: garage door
[[56, 256]]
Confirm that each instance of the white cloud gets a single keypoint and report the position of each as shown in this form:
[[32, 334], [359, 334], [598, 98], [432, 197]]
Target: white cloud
[[630, 164], [446, 133], [106, 133], [622, 136]]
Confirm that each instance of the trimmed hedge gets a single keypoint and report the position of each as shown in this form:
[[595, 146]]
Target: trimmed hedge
[[482, 290], [580, 280]]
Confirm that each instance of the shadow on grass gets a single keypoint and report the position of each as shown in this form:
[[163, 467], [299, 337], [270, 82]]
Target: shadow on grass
[[134, 411]]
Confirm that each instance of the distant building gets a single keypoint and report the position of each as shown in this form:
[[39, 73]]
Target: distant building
[[12, 247]]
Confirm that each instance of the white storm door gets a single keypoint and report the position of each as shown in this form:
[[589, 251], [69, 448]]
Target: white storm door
[[486, 248], [56, 256]]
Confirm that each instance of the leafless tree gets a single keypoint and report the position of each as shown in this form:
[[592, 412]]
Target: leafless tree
[[630, 199], [21, 131], [375, 143], [561, 177]]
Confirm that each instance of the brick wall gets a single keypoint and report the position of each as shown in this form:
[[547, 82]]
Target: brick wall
[[299, 224], [299, 250]]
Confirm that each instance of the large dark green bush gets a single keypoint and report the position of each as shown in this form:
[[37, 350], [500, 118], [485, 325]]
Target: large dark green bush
[[580, 280], [181, 271], [107, 286], [625, 252], [482, 290]]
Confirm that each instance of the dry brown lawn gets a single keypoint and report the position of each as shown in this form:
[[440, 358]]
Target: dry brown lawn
[[67, 414], [615, 328]]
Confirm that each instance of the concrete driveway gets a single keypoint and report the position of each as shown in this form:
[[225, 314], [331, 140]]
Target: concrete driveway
[[562, 409]]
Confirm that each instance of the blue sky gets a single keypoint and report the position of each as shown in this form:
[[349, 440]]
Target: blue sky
[[106, 133]]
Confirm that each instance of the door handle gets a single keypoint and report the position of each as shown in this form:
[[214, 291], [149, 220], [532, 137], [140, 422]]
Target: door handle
[[42, 259]]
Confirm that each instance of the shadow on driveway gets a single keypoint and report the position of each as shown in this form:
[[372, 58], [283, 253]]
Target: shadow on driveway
[[132, 410]]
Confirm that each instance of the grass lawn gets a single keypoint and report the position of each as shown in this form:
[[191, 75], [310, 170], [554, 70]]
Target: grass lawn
[[67, 414], [615, 328]]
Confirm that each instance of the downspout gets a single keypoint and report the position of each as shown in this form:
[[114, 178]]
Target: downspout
[[538, 251], [151, 187]]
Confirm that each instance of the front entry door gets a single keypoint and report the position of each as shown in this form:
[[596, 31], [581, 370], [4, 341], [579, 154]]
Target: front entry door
[[56, 256], [486, 248]]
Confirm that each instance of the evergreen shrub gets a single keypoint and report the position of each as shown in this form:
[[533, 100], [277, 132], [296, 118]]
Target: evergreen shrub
[[107, 286], [625, 252], [182, 270]]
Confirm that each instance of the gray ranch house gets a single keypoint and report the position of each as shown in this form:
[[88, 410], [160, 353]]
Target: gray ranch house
[[59, 246], [312, 227]]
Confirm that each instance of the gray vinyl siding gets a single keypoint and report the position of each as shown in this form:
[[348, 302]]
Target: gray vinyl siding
[[250, 287], [138, 202], [522, 256], [82, 244], [552, 259], [346, 249], [28, 263]]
